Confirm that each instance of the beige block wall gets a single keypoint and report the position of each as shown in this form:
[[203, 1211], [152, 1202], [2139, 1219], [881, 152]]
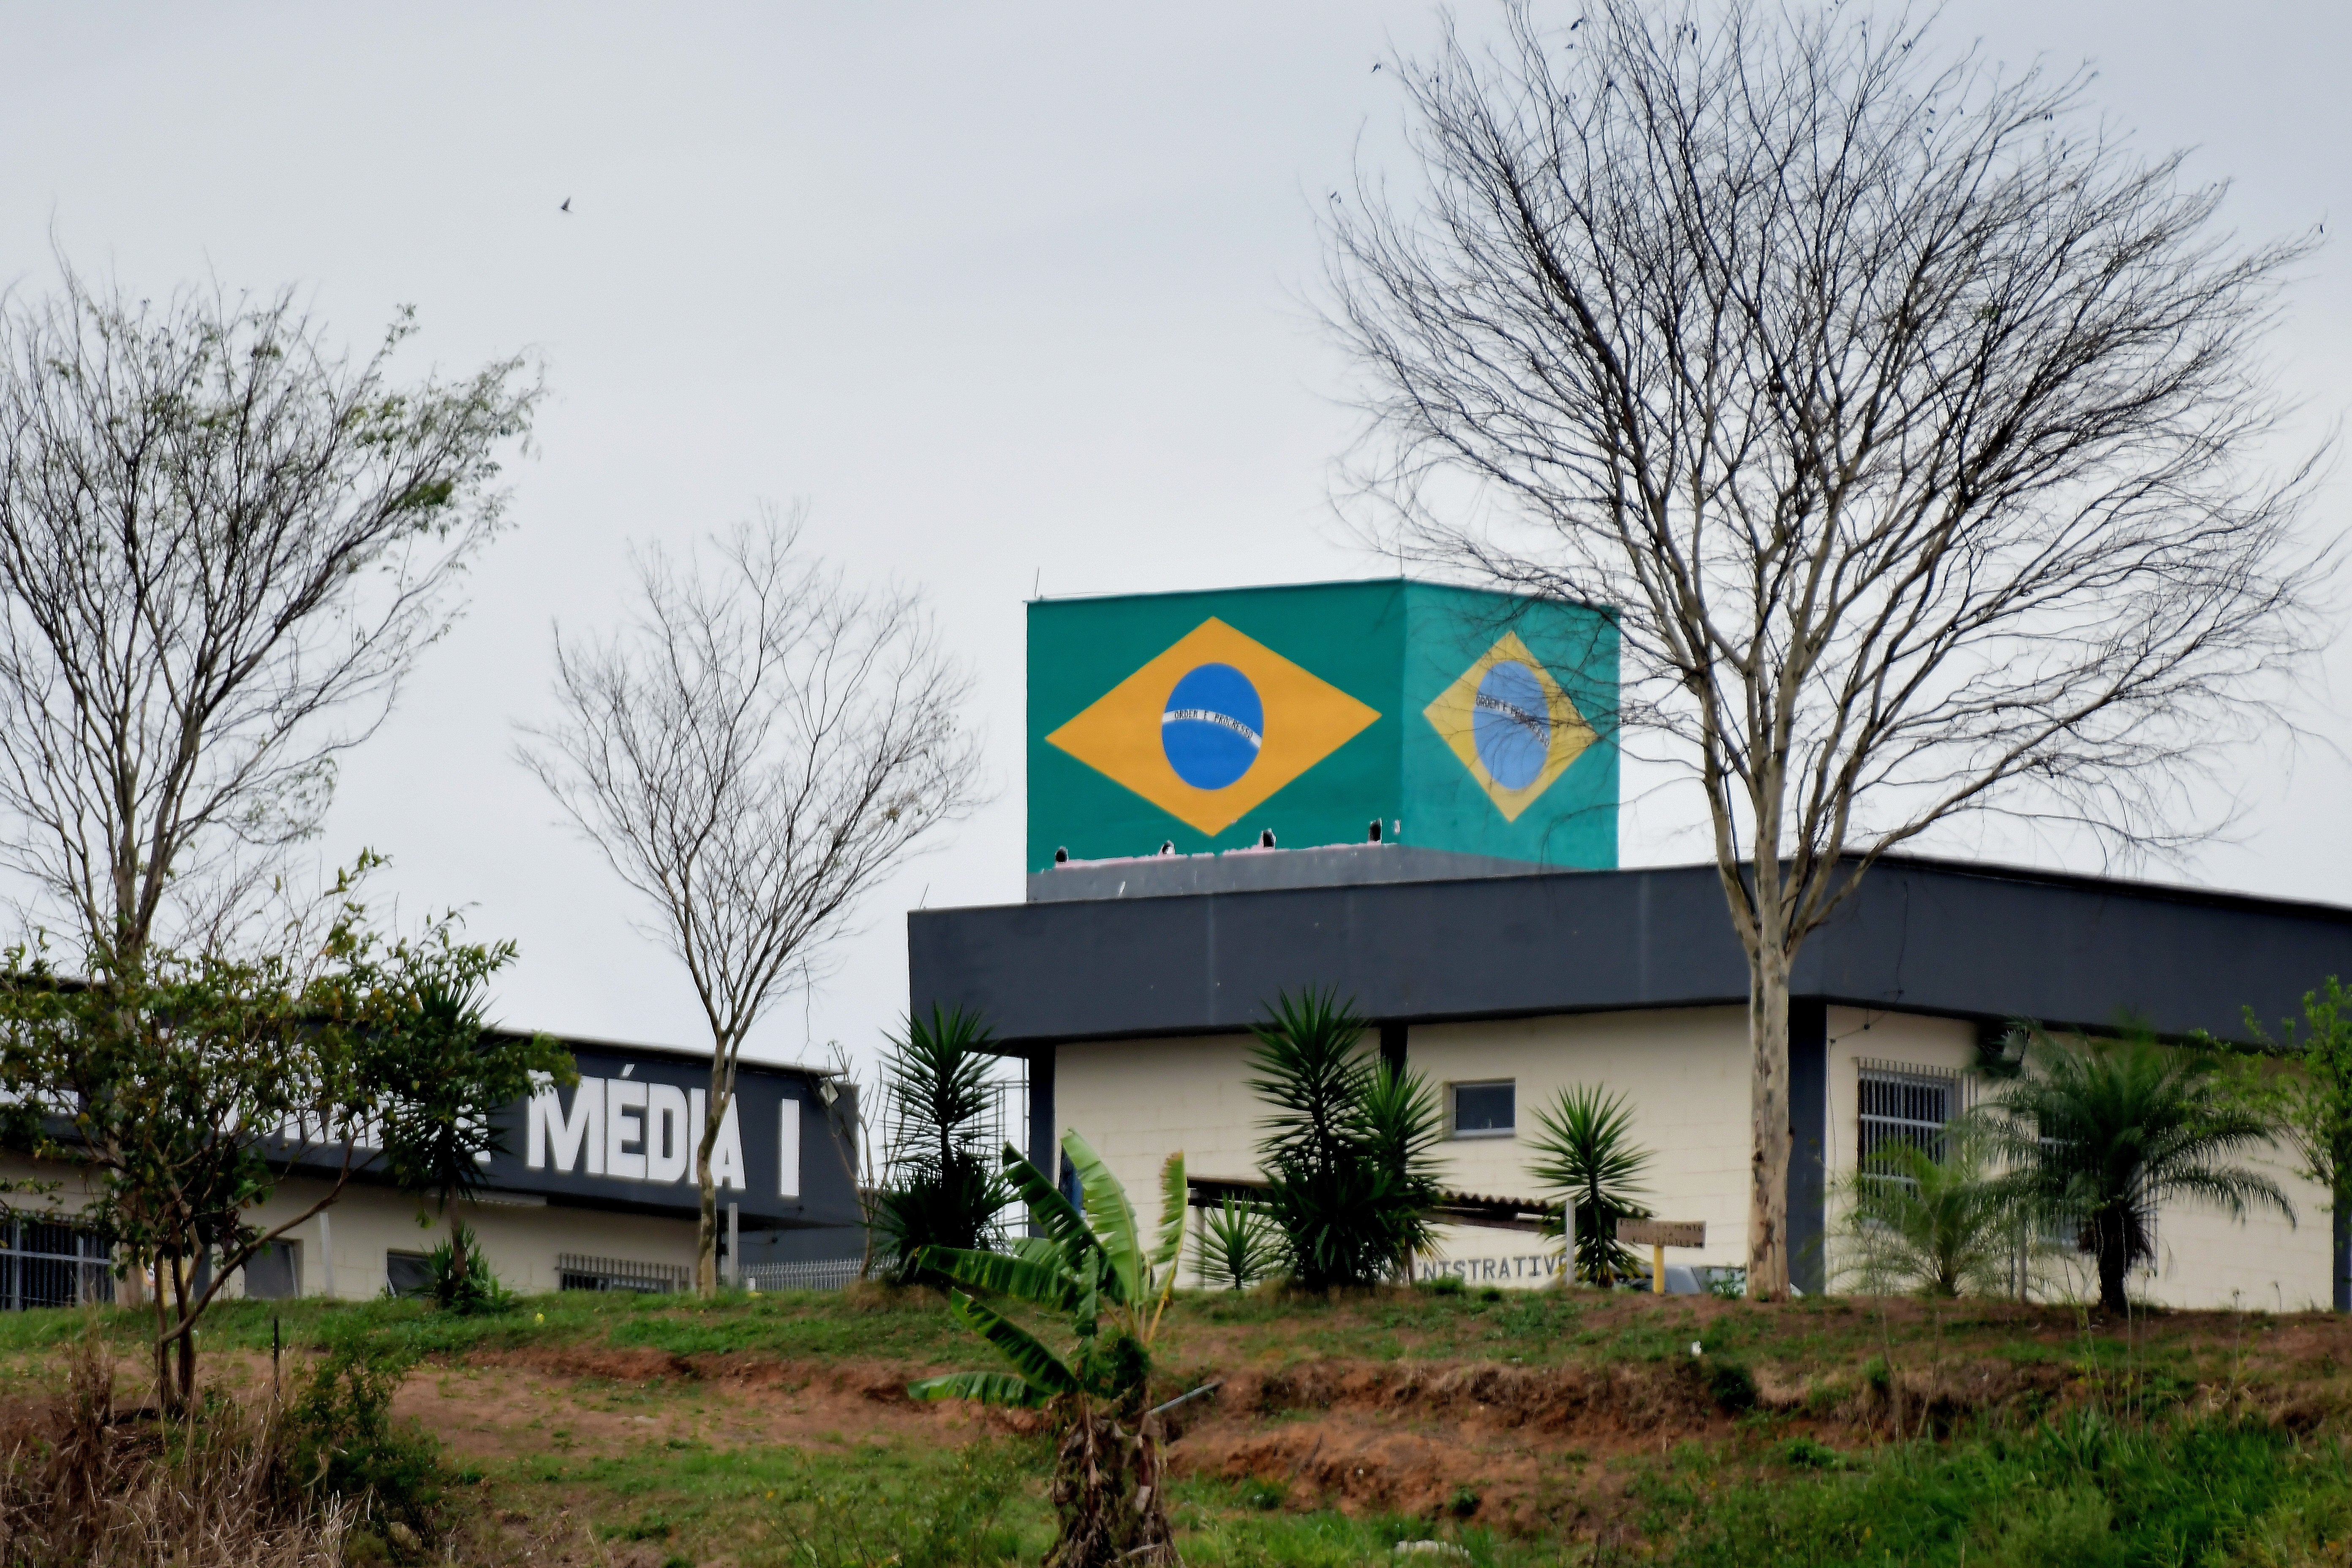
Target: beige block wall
[[1137, 1102], [2204, 1257], [1684, 1076], [1685, 1072], [368, 1222]]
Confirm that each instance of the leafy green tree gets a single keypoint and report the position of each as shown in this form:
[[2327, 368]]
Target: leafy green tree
[[185, 1088], [1096, 1269], [2313, 1104], [1346, 1211], [1237, 1247], [2097, 1134], [1939, 1226], [1584, 1147], [169, 1085], [941, 1192], [223, 543]]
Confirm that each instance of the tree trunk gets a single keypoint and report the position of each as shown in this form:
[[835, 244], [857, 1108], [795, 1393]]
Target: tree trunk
[[2340, 1251], [706, 1228], [1772, 1133], [458, 1264], [183, 1394], [2111, 1235], [162, 1350]]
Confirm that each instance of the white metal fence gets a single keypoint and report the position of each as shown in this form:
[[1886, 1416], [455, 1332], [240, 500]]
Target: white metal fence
[[578, 1271], [825, 1274]]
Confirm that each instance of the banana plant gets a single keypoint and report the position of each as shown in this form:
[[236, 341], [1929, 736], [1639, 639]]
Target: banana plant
[[1093, 1266], [1107, 1488]]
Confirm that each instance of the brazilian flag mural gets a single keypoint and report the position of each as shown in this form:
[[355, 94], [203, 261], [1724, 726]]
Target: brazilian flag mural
[[1468, 721]]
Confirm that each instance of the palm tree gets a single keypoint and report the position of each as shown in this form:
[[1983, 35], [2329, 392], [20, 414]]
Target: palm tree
[[1937, 1226], [1585, 1149], [2099, 1134], [1096, 1269]]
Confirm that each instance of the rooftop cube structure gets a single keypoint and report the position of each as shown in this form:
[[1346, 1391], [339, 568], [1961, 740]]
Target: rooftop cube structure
[[1411, 730]]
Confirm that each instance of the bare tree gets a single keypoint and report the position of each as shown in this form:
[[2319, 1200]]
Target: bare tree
[[1910, 419], [759, 746], [222, 543]]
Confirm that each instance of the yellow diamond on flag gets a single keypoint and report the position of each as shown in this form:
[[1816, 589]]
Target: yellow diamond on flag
[[1212, 727], [1511, 725]]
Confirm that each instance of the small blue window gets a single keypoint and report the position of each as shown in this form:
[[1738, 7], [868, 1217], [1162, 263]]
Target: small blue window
[[1485, 1110]]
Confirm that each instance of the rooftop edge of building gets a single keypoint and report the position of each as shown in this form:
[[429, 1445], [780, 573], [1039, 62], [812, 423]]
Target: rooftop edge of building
[[1954, 938]]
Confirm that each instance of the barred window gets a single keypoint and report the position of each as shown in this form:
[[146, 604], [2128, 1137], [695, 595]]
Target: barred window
[[1901, 1103], [52, 1263]]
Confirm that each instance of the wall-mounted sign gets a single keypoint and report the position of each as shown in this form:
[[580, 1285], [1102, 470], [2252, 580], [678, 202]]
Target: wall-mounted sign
[[624, 1137]]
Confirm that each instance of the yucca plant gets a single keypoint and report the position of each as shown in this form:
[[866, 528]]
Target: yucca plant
[[940, 1191], [1094, 1268], [1400, 1131], [1237, 1247], [1338, 1188], [1585, 1149]]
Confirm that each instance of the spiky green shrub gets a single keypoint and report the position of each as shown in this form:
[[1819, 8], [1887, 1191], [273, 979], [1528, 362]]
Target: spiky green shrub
[[1940, 1225], [1585, 1151], [942, 1191], [1346, 1150], [1237, 1247], [463, 1282]]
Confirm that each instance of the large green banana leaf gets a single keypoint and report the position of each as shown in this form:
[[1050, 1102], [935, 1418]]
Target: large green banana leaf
[[1172, 1194], [1111, 1218], [1039, 1249], [984, 1387], [1041, 1368], [1043, 1283], [1061, 1224]]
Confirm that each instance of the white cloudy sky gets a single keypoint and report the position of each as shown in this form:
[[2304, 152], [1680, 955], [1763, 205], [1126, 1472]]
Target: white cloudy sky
[[1009, 293]]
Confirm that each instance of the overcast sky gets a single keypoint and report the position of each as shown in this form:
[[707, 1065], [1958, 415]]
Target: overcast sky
[[1013, 295]]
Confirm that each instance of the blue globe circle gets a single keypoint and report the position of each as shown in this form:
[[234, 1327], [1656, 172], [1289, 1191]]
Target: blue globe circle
[[1213, 726], [1510, 725]]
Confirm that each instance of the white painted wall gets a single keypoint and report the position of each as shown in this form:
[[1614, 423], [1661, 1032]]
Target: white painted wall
[[1685, 1074]]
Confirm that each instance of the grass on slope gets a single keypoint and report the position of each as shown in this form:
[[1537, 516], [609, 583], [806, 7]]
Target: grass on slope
[[2079, 1493], [2147, 1461], [1530, 1328]]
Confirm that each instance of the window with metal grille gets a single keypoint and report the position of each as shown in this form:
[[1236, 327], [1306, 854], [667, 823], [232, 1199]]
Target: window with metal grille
[[52, 1263], [1903, 1104]]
